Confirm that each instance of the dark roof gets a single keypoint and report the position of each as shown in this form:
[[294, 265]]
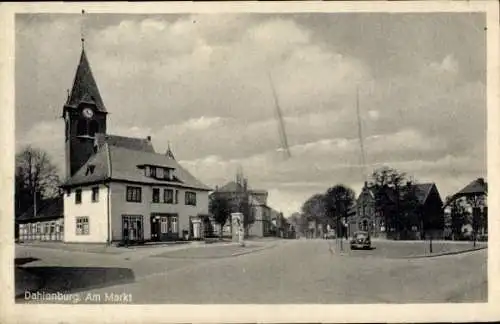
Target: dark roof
[[131, 143], [476, 187], [84, 86], [119, 163], [47, 209], [231, 187], [260, 196], [422, 191]]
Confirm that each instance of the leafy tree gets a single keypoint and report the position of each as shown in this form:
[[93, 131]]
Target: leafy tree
[[389, 188], [458, 217], [36, 178], [410, 209], [298, 221], [338, 200], [220, 208], [314, 208]]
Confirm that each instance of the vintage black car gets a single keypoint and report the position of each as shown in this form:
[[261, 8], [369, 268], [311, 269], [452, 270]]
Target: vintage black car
[[361, 240]]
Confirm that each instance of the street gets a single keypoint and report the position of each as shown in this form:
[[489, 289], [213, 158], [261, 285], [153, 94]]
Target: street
[[281, 271]]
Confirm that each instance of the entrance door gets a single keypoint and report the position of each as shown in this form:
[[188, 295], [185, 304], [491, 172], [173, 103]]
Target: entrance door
[[196, 228], [164, 227], [155, 228]]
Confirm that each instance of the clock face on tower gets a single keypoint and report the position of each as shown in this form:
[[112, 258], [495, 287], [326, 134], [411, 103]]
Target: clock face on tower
[[88, 113]]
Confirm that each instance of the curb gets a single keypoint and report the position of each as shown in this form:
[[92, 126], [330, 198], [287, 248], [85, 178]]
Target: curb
[[256, 249], [444, 253]]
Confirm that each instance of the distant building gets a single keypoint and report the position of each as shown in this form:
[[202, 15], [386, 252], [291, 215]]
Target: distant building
[[473, 198], [427, 219], [258, 214]]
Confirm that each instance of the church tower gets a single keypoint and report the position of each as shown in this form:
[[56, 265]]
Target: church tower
[[84, 115]]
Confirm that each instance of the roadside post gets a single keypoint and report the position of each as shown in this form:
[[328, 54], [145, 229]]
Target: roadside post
[[237, 228]]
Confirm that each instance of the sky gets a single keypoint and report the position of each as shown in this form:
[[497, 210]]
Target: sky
[[200, 82]]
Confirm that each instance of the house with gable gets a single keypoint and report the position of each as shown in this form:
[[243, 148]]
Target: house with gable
[[426, 220], [259, 213], [473, 199], [119, 188]]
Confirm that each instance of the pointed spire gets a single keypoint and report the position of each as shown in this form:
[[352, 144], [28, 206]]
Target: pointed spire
[[84, 86], [169, 153]]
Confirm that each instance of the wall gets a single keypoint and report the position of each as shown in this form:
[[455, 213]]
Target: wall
[[96, 212], [119, 207]]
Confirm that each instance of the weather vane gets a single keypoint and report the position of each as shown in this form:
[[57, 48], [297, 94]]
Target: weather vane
[[82, 29]]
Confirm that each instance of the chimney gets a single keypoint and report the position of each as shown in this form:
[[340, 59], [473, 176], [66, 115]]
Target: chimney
[[480, 180], [366, 184], [148, 138]]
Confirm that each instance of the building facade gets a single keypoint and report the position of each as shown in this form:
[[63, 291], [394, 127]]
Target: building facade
[[118, 188], [254, 203], [466, 212], [426, 219]]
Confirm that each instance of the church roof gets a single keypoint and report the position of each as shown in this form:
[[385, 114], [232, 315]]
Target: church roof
[[84, 86], [119, 163], [131, 143]]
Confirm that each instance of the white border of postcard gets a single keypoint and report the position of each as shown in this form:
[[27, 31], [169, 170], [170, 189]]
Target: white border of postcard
[[43, 313]]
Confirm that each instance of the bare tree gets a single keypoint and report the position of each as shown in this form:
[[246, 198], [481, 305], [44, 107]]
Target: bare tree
[[36, 178]]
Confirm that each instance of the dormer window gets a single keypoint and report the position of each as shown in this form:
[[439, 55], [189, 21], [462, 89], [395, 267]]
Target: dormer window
[[157, 172]]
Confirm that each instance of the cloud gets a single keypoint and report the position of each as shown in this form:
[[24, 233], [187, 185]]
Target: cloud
[[448, 65], [201, 83], [200, 124]]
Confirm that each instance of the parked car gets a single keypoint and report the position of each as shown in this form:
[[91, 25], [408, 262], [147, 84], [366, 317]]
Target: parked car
[[361, 240]]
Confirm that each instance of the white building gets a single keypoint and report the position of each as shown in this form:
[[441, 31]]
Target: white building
[[118, 188]]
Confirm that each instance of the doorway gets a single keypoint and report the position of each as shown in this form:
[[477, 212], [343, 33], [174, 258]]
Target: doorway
[[132, 228], [164, 227]]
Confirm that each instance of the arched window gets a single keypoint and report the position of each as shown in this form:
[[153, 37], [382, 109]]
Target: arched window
[[93, 128], [81, 127]]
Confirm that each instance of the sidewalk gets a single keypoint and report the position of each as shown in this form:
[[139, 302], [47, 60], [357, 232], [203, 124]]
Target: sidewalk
[[478, 243], [217, 251]]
